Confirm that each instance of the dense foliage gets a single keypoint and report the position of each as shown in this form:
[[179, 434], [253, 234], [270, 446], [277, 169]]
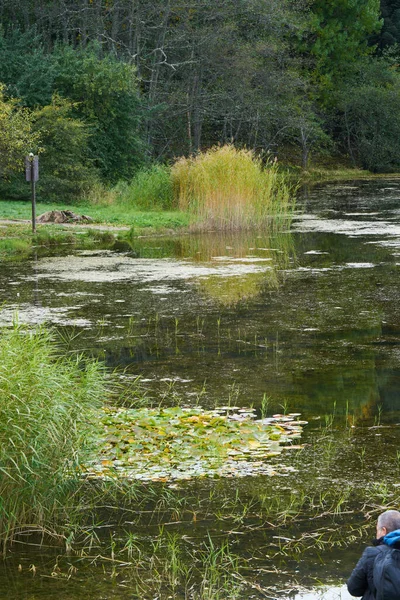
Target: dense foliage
[[155, 80], [46, 408]]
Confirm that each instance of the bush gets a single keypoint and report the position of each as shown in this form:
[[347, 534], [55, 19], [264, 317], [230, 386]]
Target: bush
[[45, 407], [226, 188], [65, 170], [151, 188]]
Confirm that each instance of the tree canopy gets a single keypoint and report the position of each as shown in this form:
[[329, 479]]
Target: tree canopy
[[157, 80]]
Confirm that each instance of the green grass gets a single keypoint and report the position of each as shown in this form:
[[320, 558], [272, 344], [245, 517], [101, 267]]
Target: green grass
[[114, 214], [46, 403], [17, 241], [14, 246]]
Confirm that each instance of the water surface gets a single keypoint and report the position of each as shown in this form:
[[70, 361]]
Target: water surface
[[307, 317]]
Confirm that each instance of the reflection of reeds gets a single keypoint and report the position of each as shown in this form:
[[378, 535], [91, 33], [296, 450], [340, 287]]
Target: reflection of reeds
[[275, 249], [227, 189], [232, 290]]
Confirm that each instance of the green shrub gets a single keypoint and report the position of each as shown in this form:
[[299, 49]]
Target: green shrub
[[45, 417], [49, 238], [150, 189]]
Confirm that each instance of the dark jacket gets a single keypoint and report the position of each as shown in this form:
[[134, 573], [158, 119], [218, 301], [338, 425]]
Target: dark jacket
[[361, 582]]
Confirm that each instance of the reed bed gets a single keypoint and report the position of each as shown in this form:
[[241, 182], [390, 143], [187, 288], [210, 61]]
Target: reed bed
[[230, 189], [45, 419]]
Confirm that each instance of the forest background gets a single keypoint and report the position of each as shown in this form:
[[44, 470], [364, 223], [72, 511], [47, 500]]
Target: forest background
[[111, 92]]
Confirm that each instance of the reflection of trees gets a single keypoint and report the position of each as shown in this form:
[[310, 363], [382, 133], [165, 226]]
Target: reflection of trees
[[310, 338]]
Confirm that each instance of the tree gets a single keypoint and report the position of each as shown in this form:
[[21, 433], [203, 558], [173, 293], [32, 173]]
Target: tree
[[369, 117], [66, 170], [105, 95], [209, 72], [16, 135], [306, 130], [390, 32], [26, 68], [338, 35]]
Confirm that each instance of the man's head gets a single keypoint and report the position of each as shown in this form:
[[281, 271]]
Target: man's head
[[387, 522]]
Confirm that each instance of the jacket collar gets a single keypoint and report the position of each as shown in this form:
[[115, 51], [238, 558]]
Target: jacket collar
[[392, 539]]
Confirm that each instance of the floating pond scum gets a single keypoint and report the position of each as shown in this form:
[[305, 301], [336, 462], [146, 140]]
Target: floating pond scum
[[166, 444]]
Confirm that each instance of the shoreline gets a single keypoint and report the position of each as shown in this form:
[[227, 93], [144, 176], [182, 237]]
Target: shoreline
[[113, 223]]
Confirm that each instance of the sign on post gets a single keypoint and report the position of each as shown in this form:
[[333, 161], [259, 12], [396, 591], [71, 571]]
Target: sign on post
[[32, 168], [32, 175]]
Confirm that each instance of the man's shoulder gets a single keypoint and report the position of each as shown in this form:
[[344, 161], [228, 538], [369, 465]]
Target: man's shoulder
[[374, 550], [371, 552]]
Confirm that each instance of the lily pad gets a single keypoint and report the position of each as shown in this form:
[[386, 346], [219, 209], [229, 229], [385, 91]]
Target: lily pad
[[177, 443]]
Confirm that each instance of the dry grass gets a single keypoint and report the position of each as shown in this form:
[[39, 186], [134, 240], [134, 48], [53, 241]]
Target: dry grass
[[227, 189]]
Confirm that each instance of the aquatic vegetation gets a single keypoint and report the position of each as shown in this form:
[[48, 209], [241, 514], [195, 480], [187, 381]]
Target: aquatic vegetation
[[276, 246], [182, 443], [45, 407], [228, 189]]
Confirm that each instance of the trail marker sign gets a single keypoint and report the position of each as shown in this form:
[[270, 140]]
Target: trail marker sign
[[32, 168]]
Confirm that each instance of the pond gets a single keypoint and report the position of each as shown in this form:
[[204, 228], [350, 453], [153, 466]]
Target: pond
[[301, 321]]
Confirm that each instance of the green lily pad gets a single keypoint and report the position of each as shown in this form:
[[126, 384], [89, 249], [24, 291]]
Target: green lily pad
[[177, 443]]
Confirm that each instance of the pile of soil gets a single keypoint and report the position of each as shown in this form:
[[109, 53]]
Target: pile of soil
[[63, 216]]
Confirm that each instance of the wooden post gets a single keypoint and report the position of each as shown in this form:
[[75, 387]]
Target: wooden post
[[32, 175], [33, 184]]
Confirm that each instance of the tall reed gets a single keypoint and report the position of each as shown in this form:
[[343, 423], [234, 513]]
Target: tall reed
[[45, 414], [225, 188]]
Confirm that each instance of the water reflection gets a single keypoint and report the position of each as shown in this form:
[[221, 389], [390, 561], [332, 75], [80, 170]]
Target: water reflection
[[336, 593], [310, 320]]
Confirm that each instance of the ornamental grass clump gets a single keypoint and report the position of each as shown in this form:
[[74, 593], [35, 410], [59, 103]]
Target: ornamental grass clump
[[46, 403], [227, 189]]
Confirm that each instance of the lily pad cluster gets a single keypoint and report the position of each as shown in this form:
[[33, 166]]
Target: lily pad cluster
[[163, 444]]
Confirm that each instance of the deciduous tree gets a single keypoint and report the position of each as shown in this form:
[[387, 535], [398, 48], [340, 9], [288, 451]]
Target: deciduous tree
[[16, 135]]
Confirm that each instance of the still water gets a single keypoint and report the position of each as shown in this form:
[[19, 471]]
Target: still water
[[308, 318]]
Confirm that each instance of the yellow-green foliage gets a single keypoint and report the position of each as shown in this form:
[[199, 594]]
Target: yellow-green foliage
[[226, 188], [16, 136]]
